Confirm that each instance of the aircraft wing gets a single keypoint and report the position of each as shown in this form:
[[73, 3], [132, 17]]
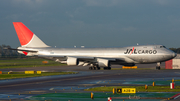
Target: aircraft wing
[[81, 60], [76, 60]]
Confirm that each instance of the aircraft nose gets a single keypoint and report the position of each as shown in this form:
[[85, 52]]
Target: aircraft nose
[[174, 54]]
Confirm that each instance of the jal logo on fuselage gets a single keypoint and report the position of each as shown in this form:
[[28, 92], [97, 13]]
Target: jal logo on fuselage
[[134, 51]]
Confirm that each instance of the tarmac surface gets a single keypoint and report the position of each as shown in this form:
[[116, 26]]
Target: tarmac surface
[[84, 79]]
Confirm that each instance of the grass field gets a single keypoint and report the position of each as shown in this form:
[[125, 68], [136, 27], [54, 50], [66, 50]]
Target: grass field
[[14, 75], [138, 88], [27, 62]]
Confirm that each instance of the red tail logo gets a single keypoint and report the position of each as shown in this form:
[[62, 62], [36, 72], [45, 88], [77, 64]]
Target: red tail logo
[[24, 34], [132, 51]]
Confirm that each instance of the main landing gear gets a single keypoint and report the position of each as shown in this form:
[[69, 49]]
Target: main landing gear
[[158, 66], [94, 67], [107, 68]]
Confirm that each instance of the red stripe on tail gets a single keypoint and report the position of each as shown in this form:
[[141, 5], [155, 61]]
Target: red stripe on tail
[[24, 34]]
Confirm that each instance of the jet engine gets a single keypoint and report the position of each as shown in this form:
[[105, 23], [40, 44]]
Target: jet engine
[[103, 63], [72, 61]]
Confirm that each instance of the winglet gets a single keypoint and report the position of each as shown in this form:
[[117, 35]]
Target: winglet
[[26, 37]]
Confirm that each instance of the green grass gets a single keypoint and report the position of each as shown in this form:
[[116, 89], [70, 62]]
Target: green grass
[[15, 75], [27, 62], [138, 88], [174, 80], [130, 69]]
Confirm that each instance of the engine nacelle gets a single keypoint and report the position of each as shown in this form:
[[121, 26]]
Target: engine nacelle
[[103, 63], [72, 61]]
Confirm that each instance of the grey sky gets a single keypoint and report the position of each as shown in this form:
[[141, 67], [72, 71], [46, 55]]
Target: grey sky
[[93, 23]]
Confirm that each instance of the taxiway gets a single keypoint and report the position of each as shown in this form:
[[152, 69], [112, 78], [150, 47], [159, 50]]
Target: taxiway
[[83, 80]]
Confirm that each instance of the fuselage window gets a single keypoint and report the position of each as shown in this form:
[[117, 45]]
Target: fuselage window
[[162, 47]]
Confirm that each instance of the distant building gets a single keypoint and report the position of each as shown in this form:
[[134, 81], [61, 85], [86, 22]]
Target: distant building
[[173, 63]]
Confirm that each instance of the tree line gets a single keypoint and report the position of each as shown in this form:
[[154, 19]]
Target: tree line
[[6, 53], [176, 50]]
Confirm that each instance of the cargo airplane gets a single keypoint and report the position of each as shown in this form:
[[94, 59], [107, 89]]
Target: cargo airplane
[[96, 58]]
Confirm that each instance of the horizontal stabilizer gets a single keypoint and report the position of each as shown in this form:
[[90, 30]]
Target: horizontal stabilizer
[[20, 49]]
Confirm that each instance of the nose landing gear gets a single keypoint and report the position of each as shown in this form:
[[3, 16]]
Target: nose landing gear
[[158, 66]]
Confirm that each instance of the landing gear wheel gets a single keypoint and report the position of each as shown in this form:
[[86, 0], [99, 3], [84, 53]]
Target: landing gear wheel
[[90, 68], [107, 68], [98, 68], [158, 67], [94, 68]]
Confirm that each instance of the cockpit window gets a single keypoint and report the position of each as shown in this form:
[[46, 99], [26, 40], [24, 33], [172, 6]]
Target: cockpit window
[[162, 47]]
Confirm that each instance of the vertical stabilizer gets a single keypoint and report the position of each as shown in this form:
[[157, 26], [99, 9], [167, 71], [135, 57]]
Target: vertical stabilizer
[[26, 37]]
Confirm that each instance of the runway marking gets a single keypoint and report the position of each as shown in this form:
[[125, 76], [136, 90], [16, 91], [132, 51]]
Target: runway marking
[[177, 97], [98, 82], [87, 84], [9, 85], [51, 89]]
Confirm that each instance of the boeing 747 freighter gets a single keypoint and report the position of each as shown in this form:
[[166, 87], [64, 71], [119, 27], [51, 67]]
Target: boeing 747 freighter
[[96, 58]]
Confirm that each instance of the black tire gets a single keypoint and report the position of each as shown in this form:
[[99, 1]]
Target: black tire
[[107, 68], [94, 68], [90, 68], [98, 68], [158, 67]]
